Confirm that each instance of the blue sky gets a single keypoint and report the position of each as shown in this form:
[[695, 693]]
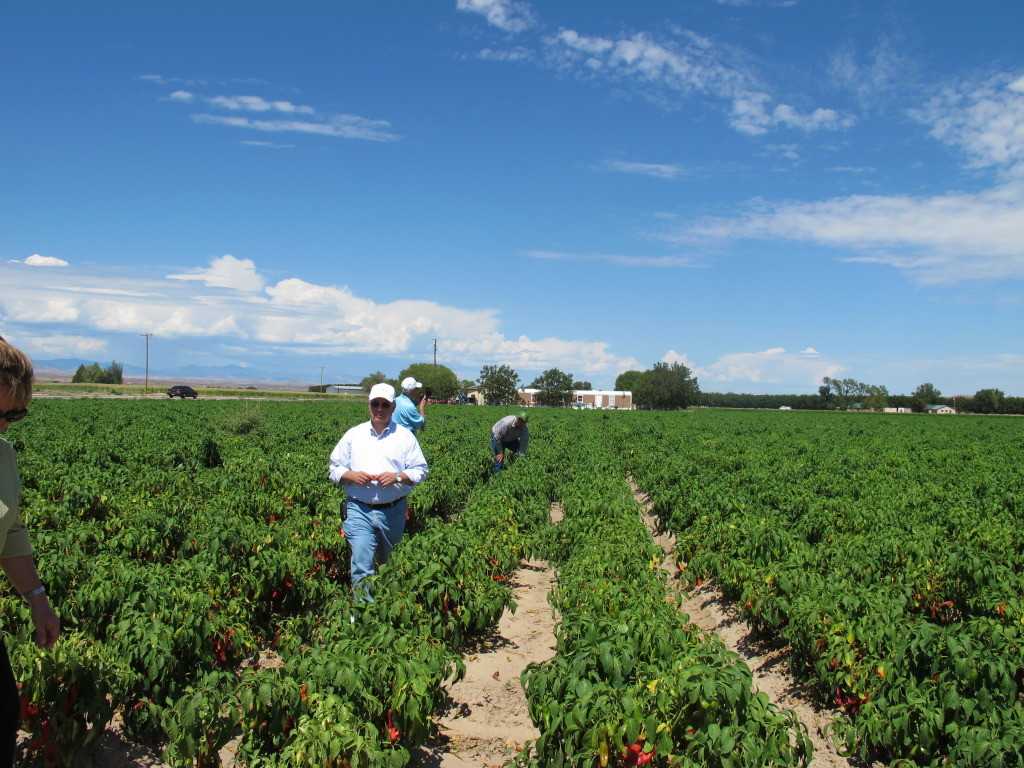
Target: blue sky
[[768, 192]]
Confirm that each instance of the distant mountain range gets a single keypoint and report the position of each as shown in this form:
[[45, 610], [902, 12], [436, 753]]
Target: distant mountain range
[[63, 369]]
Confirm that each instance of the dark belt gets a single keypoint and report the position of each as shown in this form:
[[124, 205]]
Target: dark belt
[[389, 505]]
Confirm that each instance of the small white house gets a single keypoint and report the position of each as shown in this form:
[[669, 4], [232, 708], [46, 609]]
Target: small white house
[[344, 389], [586, 399], [938, 409]]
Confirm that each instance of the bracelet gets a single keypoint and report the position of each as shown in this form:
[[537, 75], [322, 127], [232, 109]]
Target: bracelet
[[34, 593]]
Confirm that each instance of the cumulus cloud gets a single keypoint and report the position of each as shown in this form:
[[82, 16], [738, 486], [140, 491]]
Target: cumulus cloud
[[230, 301], [507, 15], [226, 272], [64, 345], [770, 366]]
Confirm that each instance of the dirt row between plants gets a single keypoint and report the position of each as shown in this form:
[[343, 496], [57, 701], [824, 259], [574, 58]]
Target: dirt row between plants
[[710, 610], [485, 720]]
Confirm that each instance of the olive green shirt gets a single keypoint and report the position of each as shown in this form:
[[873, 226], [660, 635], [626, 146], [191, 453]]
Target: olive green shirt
[[14, 541]]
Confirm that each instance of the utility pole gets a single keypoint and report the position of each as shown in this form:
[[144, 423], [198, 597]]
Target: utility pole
[[435, 351], [148, 337], [322, 378]]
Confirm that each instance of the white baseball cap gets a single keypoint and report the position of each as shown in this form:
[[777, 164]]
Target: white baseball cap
[[382, 390], [409, 384]]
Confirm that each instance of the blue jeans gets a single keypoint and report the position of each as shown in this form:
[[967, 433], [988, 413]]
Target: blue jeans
[[372, 533], [499, 447]]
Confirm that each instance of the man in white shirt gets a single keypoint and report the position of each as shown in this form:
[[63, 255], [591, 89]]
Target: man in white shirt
[[377, 463]]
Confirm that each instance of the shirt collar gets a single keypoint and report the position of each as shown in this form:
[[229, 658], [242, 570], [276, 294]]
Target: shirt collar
[[388, 429]]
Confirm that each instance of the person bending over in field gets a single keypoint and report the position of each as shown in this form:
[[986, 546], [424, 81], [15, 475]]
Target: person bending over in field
[[15, 548], [377, 463], [509, 434]]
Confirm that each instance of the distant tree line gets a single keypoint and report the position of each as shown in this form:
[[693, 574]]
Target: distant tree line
[[667, 386], [843, 394], [93, 374]]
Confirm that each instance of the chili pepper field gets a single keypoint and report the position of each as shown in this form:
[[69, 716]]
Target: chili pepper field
[[185, 543]]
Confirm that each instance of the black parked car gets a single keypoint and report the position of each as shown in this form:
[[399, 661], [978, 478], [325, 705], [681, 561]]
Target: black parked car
[[182, 392]]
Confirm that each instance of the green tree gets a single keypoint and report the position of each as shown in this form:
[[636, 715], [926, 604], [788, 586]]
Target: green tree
[[374, 378], [93, 374], [499, 385], [627, 381], [667, 386], [844, 391], [876, 397], [584, 385], [555, 387], [988, 400], [923, 396], [439, 381]]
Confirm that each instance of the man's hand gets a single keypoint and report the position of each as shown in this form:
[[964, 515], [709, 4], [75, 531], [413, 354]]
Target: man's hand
[[499, 457], [359, 478], [388, 478], [46, 622]]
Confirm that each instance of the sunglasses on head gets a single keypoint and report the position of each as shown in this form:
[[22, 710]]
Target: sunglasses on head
[[13, 415], [380, 403]]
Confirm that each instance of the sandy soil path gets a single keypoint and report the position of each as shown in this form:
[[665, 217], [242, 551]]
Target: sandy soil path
[[711, 611], [486, 720]]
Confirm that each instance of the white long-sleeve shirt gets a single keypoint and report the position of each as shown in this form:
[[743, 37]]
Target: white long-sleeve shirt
[[361, 449]]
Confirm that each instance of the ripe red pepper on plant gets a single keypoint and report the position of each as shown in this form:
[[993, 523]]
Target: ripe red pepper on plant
[[635, 755], [393, 733]]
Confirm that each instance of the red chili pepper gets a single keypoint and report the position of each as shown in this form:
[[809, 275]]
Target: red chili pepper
[[393, 733]]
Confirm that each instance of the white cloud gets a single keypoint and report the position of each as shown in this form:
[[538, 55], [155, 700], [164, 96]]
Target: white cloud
[[754, 114], [35, 260], [512, 54], [257, 104], [292, 315], [771, 366], [507, 15], [338, 126], [943, 238], [683, 66], [657, 170], [343, 126], [885, 69], [985, 120], [226, 272], [267, 144], [65, 345], [940, 239]]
